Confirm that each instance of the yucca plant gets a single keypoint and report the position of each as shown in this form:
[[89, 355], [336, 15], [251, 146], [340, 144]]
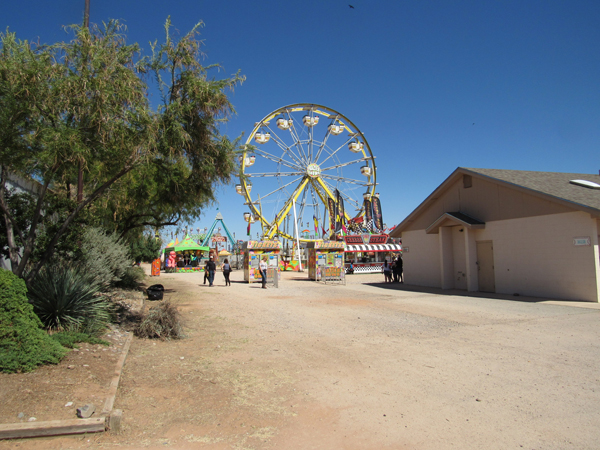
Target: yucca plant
[[67, 298]]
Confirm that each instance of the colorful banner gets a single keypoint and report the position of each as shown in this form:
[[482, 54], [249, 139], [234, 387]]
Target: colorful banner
[[340, 212], [316, 224], [368, 211], [377, 216], [332, 215]]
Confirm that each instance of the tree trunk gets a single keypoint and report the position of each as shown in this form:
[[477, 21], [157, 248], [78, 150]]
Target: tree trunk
[[10, 232]]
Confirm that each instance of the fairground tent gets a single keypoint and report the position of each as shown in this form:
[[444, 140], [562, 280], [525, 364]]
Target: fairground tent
[[187, 244]]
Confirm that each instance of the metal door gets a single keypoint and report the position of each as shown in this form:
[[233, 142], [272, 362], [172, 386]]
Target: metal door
[[485, 266]]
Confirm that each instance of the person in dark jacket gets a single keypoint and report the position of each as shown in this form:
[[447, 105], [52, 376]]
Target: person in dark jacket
[[387, 271], [212, 267], [397, 270]]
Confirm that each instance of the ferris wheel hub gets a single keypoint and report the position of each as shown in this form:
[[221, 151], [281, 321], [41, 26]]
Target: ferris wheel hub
[[313, 170]]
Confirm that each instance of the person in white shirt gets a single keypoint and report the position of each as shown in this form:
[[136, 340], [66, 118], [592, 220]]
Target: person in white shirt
[[263, 271]]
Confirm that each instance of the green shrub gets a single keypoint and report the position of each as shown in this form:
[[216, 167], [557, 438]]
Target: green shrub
[[67, 298], [104, 255], [24, 345], [132, 278], [162, 322], [145, 248], [70, 339]]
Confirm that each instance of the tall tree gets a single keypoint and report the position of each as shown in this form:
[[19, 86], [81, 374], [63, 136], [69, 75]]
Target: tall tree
[[192, 156], [86, 100]]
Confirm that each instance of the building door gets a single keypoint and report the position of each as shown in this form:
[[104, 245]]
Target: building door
[[485, 266]]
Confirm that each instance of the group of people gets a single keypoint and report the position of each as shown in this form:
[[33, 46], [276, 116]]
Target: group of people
[[393, 272], [211, 267]]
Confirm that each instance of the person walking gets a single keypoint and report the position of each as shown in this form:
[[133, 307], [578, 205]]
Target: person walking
[[226, 271], [387, 271], [395, 270], [263, 271], [205, 272], [211, 271], [399, 269]]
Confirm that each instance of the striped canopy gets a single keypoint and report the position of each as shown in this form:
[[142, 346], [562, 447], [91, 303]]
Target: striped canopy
[[374, 248]]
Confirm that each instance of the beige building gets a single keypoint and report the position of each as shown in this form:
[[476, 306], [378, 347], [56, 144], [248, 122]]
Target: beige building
[[507, 231]]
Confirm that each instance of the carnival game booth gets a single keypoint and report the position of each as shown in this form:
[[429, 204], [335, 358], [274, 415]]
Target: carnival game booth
[[326, 260], [184, 256], [366, 253], [254, 251]]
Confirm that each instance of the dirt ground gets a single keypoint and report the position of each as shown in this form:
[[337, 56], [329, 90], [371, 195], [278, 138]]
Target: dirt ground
[[367, 365]]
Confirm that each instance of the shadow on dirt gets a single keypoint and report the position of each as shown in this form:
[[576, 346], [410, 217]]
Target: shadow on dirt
[[457, 292], [126, 317]]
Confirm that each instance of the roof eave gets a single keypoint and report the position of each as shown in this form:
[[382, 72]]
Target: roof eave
[[447, 219], [397, 232]]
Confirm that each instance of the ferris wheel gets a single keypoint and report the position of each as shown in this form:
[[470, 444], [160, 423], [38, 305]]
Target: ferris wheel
[[298, 161]]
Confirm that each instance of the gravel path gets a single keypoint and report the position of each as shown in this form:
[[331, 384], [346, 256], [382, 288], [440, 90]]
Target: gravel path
[[362, 366]]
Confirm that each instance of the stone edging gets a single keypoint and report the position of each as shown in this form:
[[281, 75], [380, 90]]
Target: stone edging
[[108, 418]]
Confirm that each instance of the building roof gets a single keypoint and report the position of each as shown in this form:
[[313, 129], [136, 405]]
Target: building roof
[[555, 186]]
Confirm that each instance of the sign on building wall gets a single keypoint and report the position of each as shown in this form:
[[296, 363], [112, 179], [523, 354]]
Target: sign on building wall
[[366, 239], [353, 239], [378, 239], [585, 240]]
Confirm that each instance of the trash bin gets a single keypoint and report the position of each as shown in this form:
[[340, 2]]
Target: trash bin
[[155, 292]]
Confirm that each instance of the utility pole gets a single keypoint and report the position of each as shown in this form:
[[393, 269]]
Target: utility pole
[[86, 14], [86, 24]]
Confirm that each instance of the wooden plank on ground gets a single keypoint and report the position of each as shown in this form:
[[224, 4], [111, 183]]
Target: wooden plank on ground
[[114, 385], [52, 428]]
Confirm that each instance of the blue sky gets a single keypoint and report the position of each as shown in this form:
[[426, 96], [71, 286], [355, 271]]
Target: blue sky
[[433, 85]]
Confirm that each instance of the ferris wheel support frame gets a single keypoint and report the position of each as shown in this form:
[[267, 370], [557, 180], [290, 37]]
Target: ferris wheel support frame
[[297, 237], [286, 209]]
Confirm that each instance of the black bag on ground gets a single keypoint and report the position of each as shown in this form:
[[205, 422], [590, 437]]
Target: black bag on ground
[[155, 292]]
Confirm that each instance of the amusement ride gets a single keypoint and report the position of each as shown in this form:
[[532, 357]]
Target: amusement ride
[[306, 168]]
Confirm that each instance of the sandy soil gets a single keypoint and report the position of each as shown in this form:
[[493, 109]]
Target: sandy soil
[[367, 365]]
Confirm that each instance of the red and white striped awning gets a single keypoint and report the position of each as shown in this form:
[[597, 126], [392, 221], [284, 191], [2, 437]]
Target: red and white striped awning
[[374, 248]]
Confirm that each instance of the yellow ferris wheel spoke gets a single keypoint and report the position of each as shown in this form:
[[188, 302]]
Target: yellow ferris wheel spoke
[[331, 195], [286, 208]]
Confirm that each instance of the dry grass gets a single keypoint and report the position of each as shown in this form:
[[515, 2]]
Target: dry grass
[[161, 322]]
